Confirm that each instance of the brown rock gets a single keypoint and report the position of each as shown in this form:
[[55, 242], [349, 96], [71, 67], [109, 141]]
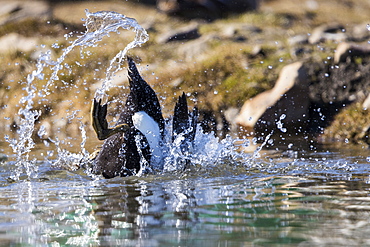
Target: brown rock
[[360, 32], [186, 33], [17, 10], [195, 49], [346, 49], [327, 32], [289, 97], [15, 42]]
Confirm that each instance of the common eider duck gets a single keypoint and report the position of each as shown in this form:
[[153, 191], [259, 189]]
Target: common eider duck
[[137, 138]]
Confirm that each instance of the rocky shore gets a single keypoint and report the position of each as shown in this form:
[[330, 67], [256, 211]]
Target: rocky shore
[[292, 69]]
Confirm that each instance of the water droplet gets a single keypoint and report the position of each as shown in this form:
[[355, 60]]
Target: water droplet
[[279, 124]]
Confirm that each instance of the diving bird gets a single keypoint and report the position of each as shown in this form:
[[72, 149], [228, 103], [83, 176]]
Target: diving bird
[[136, 140]]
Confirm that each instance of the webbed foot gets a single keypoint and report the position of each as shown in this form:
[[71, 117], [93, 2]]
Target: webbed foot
[[100, 124]]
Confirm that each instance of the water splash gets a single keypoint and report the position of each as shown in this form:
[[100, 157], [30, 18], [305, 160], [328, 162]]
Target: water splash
[[27, 115], [207, 151], [98, 25], [279, 124]]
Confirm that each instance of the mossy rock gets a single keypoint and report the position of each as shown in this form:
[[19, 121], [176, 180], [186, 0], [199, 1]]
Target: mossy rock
[[351, 124]]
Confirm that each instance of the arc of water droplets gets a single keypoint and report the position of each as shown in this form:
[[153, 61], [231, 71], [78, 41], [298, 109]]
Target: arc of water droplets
[[24, 145], [98, 25]]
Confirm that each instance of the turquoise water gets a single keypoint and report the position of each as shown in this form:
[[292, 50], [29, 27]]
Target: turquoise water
[[282, 198]]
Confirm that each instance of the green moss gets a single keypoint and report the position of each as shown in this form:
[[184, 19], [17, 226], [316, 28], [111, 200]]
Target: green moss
[[38, 27], [352, 124], [228, 77]]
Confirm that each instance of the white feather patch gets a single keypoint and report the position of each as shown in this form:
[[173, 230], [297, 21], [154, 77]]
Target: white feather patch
[[146, 124]]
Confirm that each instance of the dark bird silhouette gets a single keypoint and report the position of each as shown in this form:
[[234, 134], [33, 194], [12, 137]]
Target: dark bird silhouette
[[136, 140]]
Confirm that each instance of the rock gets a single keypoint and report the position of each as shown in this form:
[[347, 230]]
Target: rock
[[44, 130], [8, 8], [360, 32], [334, 87], [303, 52], [11, 11], [257, 51], [195, 49], [228, 31], [36, 54], [16, 42], [205, 9], [183, 34], [366, 103], [176, 82], [237, 30], [327, 32], [288, 98], [346, 49], [230, 114], [298, 39], [3, 157]]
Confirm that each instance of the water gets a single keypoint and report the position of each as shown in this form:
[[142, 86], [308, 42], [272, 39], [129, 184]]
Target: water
[[300, 193], [283, 198]]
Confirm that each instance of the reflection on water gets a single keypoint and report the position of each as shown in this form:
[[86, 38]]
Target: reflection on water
[[283, 198]]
